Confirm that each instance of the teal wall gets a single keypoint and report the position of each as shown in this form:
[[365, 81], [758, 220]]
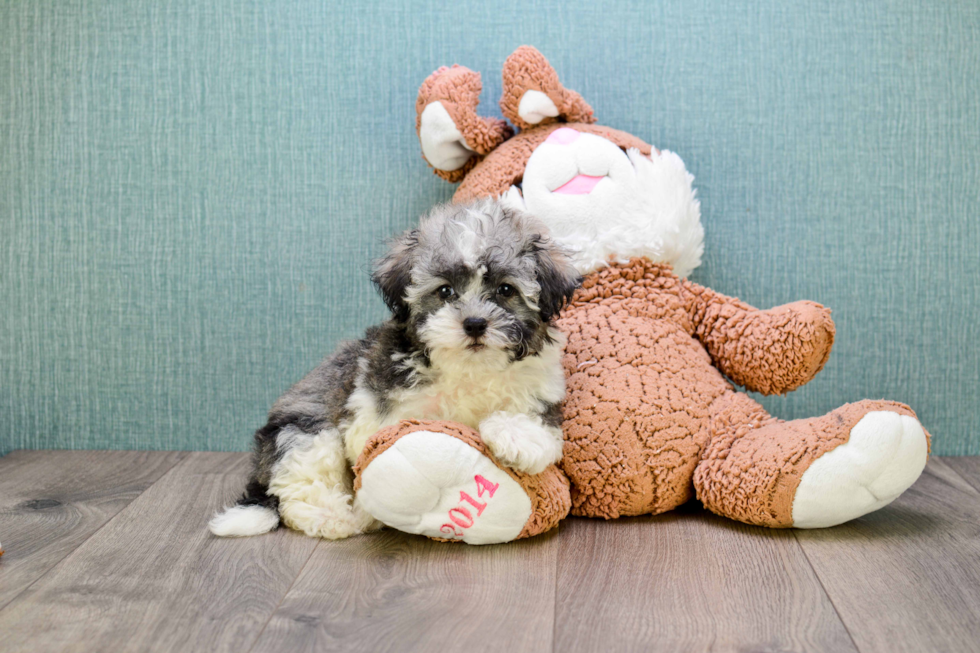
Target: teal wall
[[190, 190]]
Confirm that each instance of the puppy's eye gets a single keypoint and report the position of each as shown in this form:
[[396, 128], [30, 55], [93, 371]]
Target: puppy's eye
[[506, 290], [445, 292]]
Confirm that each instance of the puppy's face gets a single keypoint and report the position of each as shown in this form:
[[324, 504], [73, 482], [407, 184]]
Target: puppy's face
[[477, 283]]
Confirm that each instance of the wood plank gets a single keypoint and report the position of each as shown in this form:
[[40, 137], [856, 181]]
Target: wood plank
[[907, 577], [968, 467], [390, 591], [688, 580], [154, 578], [52, 501]]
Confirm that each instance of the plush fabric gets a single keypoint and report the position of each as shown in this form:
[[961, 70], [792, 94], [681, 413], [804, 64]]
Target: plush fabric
[[753, 464], [651, 421], [525, 70], [649, 417], [507, 167], [547, 493], [458, 90]]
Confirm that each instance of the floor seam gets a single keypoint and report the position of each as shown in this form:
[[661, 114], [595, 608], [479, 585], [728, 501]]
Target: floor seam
[[823, 587], [180, 459], [966, 479], [554, 607], [289, 589]]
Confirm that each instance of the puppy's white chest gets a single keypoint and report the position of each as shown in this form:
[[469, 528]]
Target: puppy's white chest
[[460, 395], [460, 400]]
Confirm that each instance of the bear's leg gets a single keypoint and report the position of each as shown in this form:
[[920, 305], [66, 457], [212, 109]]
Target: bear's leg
[[440, 480], [808, 473]]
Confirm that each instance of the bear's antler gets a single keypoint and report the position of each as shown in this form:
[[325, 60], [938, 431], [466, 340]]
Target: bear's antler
[[453, 137], [534, 96]]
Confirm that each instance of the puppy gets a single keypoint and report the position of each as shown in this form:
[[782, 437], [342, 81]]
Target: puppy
[[473, 293]]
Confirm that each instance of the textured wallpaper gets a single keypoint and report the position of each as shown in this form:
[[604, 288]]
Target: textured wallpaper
[[191, 190]]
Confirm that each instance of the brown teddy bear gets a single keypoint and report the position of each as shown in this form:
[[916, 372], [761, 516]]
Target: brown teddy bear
[[651, 416]]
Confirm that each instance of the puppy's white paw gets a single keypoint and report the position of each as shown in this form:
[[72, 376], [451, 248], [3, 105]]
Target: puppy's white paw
[[521, 441], [883, 457]]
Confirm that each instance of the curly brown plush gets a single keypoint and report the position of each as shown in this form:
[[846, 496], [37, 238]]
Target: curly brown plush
[[652, 415]]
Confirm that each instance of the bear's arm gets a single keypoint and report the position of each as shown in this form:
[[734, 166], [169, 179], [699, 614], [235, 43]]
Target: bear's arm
[[770, 351]]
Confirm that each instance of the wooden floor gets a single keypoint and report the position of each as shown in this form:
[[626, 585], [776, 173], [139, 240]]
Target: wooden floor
[[108, 551]]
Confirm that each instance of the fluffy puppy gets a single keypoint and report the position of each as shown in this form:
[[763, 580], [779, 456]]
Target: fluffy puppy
[[473, 292]]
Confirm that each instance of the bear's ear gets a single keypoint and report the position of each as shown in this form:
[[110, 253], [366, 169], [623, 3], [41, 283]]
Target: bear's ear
[[452, 136], [534, 96]]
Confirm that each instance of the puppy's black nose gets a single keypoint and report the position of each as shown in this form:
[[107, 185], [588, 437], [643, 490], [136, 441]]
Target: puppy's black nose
[[475, 326]]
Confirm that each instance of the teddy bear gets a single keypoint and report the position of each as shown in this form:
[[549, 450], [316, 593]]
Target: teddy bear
[[653, 416]]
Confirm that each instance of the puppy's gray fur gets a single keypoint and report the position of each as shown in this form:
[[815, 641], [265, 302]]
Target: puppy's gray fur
[[478, 251]]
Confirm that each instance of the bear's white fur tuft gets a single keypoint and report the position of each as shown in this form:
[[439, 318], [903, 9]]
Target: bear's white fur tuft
[[646, 209]]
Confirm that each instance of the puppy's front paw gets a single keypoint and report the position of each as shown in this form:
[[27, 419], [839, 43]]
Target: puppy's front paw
[[521, 441]]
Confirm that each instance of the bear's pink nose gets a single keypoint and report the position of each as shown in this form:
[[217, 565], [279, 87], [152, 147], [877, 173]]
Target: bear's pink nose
[[562, 136]]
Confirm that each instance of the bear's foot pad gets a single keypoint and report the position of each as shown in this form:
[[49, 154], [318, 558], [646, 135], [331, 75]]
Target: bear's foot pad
[[883, 457], [436, 485]]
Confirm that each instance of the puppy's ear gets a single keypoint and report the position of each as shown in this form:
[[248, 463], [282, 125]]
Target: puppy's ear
[[392, 274], [556, 276]]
